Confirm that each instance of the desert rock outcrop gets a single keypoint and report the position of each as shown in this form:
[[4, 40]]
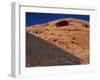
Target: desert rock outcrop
[[69, 34]]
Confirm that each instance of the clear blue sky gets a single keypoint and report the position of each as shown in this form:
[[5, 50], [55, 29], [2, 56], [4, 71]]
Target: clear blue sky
[[38, 18]]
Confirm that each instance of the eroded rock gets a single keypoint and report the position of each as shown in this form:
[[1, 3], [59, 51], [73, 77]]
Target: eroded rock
[[69, 34]]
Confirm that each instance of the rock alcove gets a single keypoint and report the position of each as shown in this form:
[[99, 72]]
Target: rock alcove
[[62, 23]]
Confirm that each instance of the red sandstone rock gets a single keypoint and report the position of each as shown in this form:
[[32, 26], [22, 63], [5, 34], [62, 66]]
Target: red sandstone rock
[[70, 34]]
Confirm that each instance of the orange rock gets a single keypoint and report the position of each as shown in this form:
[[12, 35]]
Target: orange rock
[[70, 34]]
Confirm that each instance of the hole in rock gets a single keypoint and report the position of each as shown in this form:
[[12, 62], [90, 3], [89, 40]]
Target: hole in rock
[[62, 23], [86, 26]]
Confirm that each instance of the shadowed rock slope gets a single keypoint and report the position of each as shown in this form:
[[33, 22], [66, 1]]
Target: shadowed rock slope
[[70, 34], [39, 52]]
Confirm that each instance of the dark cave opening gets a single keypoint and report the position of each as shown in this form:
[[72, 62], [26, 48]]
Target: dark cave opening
[[62, 23]]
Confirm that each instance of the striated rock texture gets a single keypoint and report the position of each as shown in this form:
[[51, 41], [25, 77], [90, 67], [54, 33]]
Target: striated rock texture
[[69, 34]]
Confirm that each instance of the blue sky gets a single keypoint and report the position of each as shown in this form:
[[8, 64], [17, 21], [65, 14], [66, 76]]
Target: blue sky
[[38, 18]]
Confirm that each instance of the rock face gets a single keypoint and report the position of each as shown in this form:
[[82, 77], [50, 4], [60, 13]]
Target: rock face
[[69, 34], [41, 53]]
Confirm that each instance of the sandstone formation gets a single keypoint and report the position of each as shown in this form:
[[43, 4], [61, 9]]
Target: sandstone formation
[[41, 53], [69, 34]]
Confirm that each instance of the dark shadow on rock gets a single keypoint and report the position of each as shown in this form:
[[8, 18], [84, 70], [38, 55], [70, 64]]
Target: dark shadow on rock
[[62, 23], [42, 53]]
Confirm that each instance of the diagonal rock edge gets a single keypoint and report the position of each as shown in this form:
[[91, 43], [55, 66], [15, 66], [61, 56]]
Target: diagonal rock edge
[[40, 52]]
